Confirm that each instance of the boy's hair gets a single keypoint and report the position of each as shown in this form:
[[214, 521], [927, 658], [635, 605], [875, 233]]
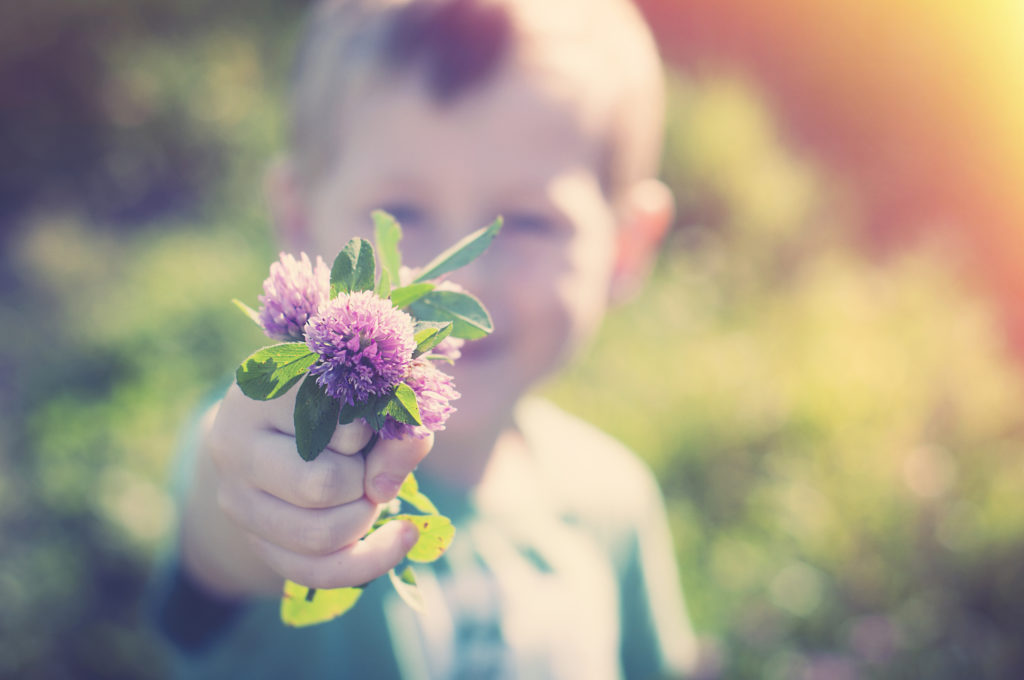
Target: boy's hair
[[457, 46]]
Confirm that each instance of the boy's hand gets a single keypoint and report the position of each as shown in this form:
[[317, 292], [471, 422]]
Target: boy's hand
[[303, 520]]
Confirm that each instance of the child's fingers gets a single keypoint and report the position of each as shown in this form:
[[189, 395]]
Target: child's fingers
[[347, 439], [350, 439], [354, 565], [390, 462], [270, 463], [301, 530], [279, 414]]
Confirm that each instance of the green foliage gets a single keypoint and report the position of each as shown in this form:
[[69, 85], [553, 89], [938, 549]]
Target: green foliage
[[383, 288], [406, 295], [349, 412], [270, 372], [115, 324], [436, 534], [429, 334], [387, 233], [302, 606], [399, 403], [402, 406], [410, 493], [136, 342], [316, 417], [248, 311], [469, 318], [354, 268]]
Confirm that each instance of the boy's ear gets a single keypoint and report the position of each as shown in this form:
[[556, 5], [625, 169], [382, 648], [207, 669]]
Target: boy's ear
[[646, 214], [287, 207]]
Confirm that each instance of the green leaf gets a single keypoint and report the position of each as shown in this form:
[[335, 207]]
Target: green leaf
[[410, 493], [354, 268], [387, 233], [270, 372], [373, 411], [248, 311], [462, 253], [316, 416], [408, 576], [405, 586], [384, 285], [298, 611], [374, 419], [436, 534], [402, 406], [406, 295], [349, 413], [429, 334], [471, 320]]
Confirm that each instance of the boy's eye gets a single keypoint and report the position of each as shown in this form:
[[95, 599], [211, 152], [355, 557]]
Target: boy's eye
[[532, 223], [406, 214]]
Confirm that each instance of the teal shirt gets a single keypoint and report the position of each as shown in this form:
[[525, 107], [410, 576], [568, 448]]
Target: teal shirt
[[571, 576]]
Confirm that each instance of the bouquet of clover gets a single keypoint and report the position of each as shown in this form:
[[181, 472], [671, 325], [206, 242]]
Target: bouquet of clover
[[365, 344]]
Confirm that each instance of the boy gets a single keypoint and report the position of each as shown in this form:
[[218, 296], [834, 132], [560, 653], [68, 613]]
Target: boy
[[447, 113]]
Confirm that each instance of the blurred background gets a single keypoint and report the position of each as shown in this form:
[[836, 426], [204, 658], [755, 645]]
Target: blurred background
[[835, 330]]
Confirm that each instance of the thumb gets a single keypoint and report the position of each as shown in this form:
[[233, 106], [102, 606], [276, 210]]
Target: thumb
[[389, 462]]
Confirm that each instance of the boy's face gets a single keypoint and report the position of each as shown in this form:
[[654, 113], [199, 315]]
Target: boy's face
[[512, 148]]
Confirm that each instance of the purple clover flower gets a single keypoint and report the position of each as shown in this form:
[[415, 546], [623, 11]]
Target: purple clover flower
[[292, 293], [365, 346], [434, 391]]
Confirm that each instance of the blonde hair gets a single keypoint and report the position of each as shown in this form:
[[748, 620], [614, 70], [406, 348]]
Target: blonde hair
[[458, 45]]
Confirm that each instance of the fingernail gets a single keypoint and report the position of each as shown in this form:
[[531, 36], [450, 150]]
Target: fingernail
[[386, 485], [410, 534]]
